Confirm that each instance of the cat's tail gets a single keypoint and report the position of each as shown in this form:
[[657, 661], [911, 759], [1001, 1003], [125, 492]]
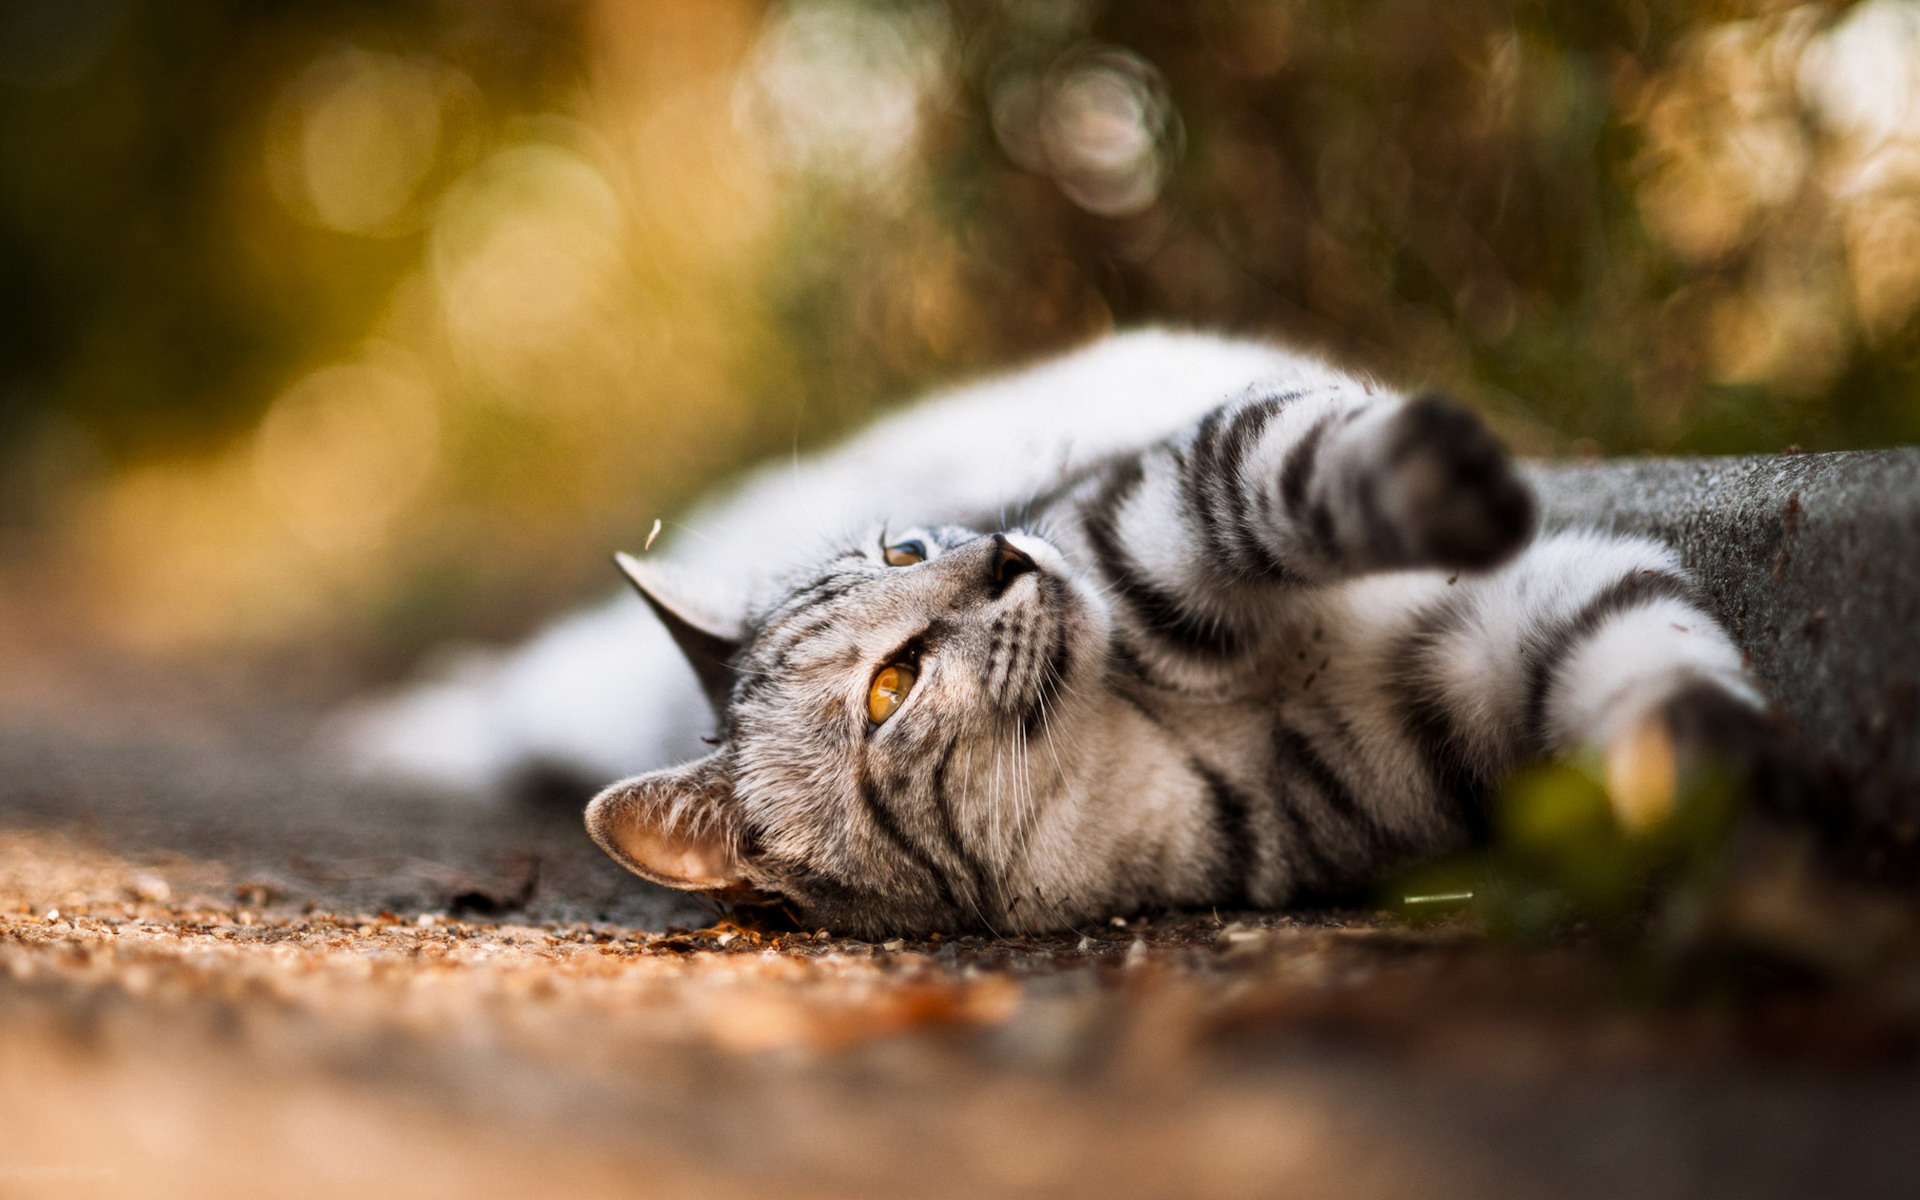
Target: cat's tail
[[600, 695]]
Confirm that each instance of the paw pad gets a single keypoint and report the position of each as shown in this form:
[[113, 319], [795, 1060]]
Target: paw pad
[[1641, 770]]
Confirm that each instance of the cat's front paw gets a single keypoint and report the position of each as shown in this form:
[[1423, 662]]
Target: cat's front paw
[[1459, 499]]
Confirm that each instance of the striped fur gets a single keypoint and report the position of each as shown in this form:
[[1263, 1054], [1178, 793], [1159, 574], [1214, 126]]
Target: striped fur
[[1277, 653]]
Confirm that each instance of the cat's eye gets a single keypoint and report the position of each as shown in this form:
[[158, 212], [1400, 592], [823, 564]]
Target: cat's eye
[[906, 554], [889, 691]]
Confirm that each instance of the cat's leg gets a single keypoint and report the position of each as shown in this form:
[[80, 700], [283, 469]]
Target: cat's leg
[[1586, 645], [1304, 489], [1643, 677], [1205, 542], [1388, 485]]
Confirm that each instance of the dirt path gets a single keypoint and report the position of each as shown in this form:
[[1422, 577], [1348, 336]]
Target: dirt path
[[222, 973]]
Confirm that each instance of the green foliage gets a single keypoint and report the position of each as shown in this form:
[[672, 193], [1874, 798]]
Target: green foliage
[[1560, 855]]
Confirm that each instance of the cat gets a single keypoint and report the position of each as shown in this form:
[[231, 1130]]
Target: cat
[[604, 692], [1230, 628]]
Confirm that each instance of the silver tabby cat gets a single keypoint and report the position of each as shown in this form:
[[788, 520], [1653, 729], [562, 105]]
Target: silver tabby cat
[[1285, 649]]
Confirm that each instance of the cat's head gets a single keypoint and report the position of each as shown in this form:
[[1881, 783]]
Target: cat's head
[[890, 730]]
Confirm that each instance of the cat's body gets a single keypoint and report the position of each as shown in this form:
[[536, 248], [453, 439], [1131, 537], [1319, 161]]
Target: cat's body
[[1270, 650]]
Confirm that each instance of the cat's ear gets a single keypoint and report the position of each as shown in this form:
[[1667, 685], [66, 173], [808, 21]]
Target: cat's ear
[[704, 635], [675, 826]]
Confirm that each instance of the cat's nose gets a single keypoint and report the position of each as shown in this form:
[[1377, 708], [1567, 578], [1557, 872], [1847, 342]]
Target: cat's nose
[[1008, 562]]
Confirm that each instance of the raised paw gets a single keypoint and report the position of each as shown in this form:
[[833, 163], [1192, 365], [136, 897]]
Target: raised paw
[[1459, 501]]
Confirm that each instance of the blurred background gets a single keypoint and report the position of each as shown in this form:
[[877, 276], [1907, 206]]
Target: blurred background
[[334, 328]]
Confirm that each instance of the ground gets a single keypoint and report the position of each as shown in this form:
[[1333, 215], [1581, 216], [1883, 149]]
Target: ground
[[224, 970]]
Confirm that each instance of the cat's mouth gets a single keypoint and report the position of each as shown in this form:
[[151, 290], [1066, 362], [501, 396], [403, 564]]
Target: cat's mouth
[[1030, 655]]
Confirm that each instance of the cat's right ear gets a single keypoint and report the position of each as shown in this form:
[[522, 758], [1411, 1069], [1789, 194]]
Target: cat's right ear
[[708, 639], [676, 827]]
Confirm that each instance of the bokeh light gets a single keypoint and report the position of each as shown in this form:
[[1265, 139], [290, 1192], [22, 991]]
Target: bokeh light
[[356, 135], [838, 88], [342, 451], [1099, 122], [528, 252]]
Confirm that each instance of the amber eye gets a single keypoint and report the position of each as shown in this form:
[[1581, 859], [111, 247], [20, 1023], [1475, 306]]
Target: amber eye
[[905, 554], [889, 691]]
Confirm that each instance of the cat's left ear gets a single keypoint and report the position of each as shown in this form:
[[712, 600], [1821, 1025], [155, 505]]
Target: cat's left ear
[[708, 638], [675, 826]]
